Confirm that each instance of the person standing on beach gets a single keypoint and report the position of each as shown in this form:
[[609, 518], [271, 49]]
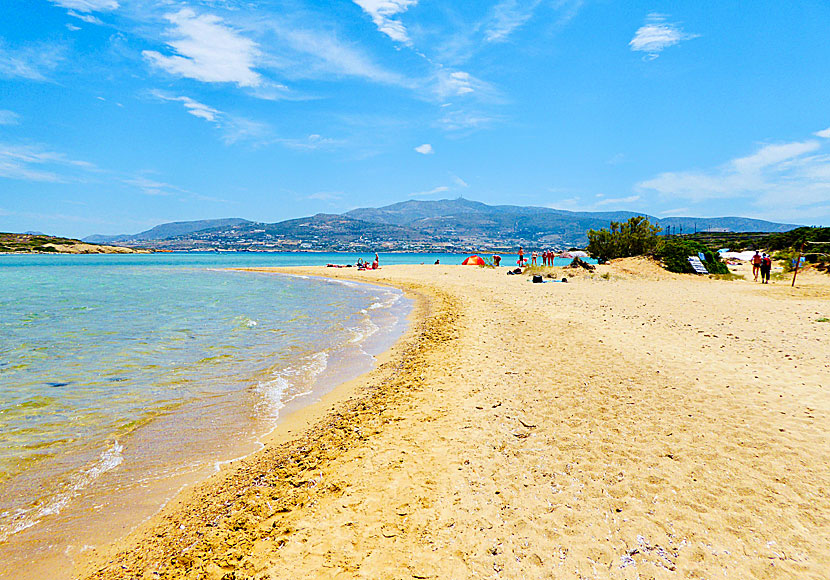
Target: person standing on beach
[[766, 268], [376, 263], [521, 256], [756, 265], [533, 257]]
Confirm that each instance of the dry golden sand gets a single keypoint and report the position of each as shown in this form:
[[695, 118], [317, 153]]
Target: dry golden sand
[[646, 425]]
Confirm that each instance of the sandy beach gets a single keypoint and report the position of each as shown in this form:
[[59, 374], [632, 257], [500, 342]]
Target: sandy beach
[[630, 423]]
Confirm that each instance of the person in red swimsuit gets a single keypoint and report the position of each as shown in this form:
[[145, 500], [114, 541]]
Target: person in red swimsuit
[[521, 256]]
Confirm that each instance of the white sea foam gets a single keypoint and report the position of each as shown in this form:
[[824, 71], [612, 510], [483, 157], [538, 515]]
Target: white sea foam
[[364, 331], [275, 391], [344, 282], [386, 300], [23, 519]]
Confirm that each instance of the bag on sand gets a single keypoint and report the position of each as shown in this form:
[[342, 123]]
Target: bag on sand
[[537, 279]]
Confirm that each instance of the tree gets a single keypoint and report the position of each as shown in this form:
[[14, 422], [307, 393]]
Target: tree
[[636, 237]]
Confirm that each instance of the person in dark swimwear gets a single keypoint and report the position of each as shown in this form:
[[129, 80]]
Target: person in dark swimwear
[[766, 267], [521, 256]]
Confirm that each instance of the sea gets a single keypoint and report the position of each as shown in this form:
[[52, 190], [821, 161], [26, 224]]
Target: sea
[[125, 378]]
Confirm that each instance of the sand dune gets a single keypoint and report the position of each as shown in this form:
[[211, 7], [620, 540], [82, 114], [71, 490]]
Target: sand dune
[[638, 425]]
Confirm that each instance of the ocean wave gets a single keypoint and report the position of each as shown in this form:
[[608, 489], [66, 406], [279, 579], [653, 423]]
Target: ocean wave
[[386, 300], [289, 382], [26, 518], [364, 331], [344, 282]]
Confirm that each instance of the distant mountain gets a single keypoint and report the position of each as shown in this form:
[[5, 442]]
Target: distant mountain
[[690, 225], [453, 218], [168, 230], [463, 210], [440, 225]]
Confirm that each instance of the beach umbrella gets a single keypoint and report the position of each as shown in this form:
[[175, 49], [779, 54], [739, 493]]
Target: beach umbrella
[[473, 261]]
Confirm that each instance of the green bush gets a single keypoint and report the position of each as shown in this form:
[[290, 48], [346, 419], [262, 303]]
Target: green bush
[[636, 237], [675, 252]]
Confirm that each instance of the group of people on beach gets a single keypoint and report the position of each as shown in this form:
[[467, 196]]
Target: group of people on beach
[[361, 265], [547, 257], [761, 264]]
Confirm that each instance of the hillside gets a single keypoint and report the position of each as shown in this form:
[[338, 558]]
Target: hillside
[[439, 225], [40, 243], [168, 230]]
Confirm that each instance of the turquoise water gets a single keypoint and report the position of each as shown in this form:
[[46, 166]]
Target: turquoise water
[[123, 378]]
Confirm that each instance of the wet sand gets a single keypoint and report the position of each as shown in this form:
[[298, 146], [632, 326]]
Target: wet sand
[[628, 424]]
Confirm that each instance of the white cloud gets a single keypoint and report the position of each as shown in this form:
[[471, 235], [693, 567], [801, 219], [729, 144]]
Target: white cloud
[[464, 121], [208, 51], [35, 163], [617, 200], [440, 189], [425, 149], [87, 5], [9, 117], [771, 155], [459, 83], [29, 62], [825, 134], [455, 83], [507, 16], [319, 54], [234, 129], [326, 195], [88, 18], [309, 143], [458, 181], [382, 13], [781, 179], [656, 35], [152, 187], [195, 108]]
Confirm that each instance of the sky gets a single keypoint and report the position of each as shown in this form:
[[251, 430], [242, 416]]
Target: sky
[[119, 115]]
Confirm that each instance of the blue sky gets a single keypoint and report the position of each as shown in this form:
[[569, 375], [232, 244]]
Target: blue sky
[[118, 115]]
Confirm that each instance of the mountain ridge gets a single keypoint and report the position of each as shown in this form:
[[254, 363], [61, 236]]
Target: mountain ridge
[[417, 225]]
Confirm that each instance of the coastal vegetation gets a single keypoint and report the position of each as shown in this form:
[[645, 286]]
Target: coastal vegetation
[[40, 243], [32, 243], [635, 237], [674, 254], [639, 237]]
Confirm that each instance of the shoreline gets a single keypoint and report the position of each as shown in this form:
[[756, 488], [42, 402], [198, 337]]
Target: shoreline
[[635, 423], [97, 510], [302, 422]]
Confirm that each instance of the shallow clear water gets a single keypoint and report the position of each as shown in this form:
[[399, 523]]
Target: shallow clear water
[[124, 377]]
